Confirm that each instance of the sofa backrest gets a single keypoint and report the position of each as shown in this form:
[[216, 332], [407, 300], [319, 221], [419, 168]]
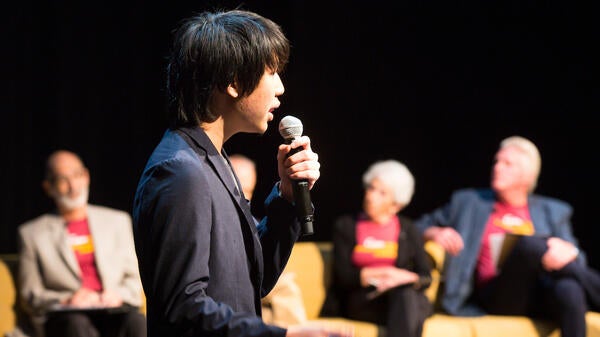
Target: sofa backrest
[[310, 262], [437, 256]]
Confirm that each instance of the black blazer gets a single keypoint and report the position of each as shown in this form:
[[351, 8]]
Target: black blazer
[[203, 263]]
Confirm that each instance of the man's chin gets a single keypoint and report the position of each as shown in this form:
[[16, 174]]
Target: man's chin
[[71, 204], [261, 130], [67, 207]]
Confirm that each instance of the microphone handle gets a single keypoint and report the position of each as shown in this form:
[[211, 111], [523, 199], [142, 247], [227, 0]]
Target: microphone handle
[[303, 205]]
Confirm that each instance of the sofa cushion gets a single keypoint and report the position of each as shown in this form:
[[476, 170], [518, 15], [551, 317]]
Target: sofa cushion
[[501, 326], [447, 326], [358, 329], [593, 324]]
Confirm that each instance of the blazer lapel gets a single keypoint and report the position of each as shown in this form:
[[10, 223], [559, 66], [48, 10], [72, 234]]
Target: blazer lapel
[[221, 166], [253, 248], [61, 240], [480, 217], [99, 241], [241, 200], [541, 227]]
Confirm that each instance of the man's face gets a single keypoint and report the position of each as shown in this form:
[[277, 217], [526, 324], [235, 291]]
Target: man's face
[[254, 111], [69, 184], [510, 171]]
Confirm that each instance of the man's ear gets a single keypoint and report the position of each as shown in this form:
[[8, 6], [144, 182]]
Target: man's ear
[[232, 90], [46, 186]]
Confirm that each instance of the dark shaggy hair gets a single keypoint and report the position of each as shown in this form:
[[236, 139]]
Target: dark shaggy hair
[[213, 50]]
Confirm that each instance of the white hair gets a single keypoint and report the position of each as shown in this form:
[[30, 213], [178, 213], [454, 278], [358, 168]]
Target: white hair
[[395, 175], [530, 151]]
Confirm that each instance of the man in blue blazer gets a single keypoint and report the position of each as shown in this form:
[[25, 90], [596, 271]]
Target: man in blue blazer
[[543, 274], [204, 262]]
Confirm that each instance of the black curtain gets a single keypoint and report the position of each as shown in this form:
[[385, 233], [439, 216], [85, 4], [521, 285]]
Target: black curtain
[[434, 84]]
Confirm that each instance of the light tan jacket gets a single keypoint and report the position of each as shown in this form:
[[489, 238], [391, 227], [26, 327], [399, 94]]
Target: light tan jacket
[[48, 268]]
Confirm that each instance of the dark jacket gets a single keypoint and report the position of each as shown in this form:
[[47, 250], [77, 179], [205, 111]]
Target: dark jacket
[[203, 263]]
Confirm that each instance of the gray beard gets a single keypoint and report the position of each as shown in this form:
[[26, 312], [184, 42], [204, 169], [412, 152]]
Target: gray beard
[[66, 203]]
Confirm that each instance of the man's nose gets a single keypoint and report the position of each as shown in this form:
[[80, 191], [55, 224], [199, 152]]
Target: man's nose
[[280, 89]]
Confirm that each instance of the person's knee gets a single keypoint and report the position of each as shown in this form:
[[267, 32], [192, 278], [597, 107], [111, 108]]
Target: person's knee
[[403, 293], [71, 325], [135, 325], [570, 294], [533, 244], [530, 249], [407, 299]]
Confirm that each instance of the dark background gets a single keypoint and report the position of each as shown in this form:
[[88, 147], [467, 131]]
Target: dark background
[[435, 84]]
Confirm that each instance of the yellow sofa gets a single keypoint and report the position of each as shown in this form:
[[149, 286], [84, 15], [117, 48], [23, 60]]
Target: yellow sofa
[[8, 295], [311, 264]]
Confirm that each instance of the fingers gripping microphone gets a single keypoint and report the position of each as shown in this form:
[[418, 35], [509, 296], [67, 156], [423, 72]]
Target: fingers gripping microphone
[[290, 128]]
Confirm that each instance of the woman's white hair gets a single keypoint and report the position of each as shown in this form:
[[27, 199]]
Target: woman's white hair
[[531, 152], [395, 175]]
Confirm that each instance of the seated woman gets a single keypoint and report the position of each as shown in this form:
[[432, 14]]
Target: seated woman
[[380, 266]]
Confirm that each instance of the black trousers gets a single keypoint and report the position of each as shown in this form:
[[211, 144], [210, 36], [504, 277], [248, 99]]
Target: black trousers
[[130, 323], [402, 310], [523, 287]]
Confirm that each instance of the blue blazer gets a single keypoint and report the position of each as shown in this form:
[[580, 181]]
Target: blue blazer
[[204, 262], [468, 212]]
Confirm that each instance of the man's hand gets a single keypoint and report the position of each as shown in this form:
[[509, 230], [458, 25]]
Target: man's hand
[[84, 298], [388, 277], [447, 237], [110, 298], [559, 254], [301, 165]]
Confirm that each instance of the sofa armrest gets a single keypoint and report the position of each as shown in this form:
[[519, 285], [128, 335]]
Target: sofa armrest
[[437, 255], [7, 300]]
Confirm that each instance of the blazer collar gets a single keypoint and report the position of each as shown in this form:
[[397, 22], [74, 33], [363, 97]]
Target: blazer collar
[[222, 167], [60, 237], [536, 213], [100, 240]]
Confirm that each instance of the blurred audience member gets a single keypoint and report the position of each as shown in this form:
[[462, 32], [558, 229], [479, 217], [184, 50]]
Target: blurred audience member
[[380, 266], [544, 273], [78, 270], [245, 169]]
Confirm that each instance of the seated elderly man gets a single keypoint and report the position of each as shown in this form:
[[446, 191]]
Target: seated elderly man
[[78, 269]]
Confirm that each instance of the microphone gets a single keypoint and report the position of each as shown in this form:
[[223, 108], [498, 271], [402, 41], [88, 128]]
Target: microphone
[[290, 128]]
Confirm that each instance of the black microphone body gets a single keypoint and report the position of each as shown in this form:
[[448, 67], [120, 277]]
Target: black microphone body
[[303, 204]]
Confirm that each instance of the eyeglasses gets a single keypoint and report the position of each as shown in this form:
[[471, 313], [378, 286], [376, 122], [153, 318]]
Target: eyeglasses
[[64, 179]]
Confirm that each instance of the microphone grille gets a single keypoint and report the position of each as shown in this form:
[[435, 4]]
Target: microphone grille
[[290, 127]]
